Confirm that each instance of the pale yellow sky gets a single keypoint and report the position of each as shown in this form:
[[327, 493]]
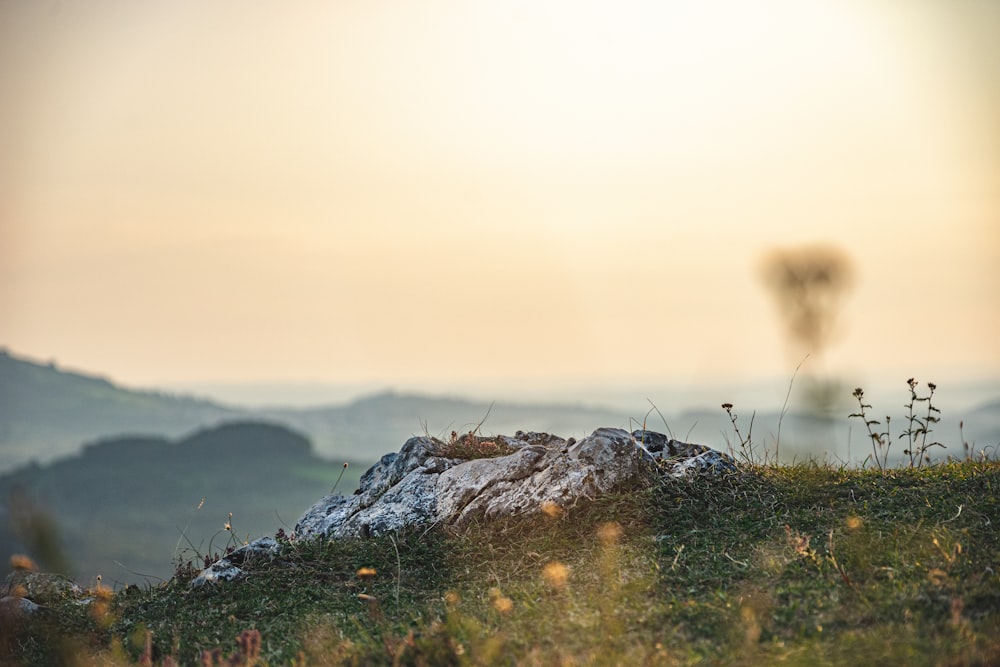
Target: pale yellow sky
[[480, 192]]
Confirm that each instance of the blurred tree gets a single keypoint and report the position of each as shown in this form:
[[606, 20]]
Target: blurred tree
[[809, 284]]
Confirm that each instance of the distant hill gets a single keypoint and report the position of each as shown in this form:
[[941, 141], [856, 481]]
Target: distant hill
[[138, 501], [47, 413], [371, 426]]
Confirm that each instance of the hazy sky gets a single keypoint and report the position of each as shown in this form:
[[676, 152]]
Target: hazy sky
[[436, 192]]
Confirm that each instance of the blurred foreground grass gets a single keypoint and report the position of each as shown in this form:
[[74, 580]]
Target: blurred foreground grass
[[800, 565]]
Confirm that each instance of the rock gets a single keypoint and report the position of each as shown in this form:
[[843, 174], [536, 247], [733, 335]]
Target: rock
[[14, 607], [417, 487], [28, 593], [40, 587], [228, 568], [680, 459]]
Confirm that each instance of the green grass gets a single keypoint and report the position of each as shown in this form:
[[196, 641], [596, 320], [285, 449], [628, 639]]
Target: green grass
[[807, 564], [145, 502]]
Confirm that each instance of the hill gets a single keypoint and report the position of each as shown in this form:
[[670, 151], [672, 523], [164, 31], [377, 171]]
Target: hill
[[47, 413], [365, 429], [144, 502]]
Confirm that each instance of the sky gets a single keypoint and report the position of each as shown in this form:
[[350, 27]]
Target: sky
[[515, 195]]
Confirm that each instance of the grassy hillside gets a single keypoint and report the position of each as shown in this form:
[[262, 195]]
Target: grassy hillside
[[802, 565], [133, 505], [47, 413]]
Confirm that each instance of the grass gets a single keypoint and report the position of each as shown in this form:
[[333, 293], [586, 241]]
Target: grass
[[805, 564], [469, 446]]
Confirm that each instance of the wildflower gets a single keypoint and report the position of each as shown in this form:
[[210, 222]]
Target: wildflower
[[956, 611], [609, 533], [937, 576], [727, 406], [22, 562], [551, 509], [249, 643], [501, 602], [503, 605], [366, 573], [555, 574], [451, 598], [853, 522], [99, 606]]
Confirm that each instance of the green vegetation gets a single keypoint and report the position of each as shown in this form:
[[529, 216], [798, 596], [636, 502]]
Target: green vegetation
[[46, 412], [131, 506], [802, 565]]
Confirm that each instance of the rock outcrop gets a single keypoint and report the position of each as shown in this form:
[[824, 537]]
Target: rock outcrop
[[429, 482], [421, 485], [26, 592]]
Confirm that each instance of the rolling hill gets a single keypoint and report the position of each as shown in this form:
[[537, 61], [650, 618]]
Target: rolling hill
[[134, 505], [47, 413]]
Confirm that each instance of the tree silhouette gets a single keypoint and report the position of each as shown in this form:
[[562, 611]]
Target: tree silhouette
[[808, 284]]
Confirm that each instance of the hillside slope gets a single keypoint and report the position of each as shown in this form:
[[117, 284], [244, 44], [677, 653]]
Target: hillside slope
[[47, 413], [144, 502], [804, 565]]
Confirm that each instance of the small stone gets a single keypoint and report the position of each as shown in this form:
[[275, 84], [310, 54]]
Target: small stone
[[227, 568], [13, 607], [42, 587]]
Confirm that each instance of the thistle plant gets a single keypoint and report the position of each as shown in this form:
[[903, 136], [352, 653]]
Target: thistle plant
[[746, 444], [880, 441], [917, 430]]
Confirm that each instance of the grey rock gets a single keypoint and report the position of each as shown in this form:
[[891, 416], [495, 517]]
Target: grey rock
[[28, 593], [228, 568], [416, 487], [41, 587], [708, 462], [13, 607], [681, 459]]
